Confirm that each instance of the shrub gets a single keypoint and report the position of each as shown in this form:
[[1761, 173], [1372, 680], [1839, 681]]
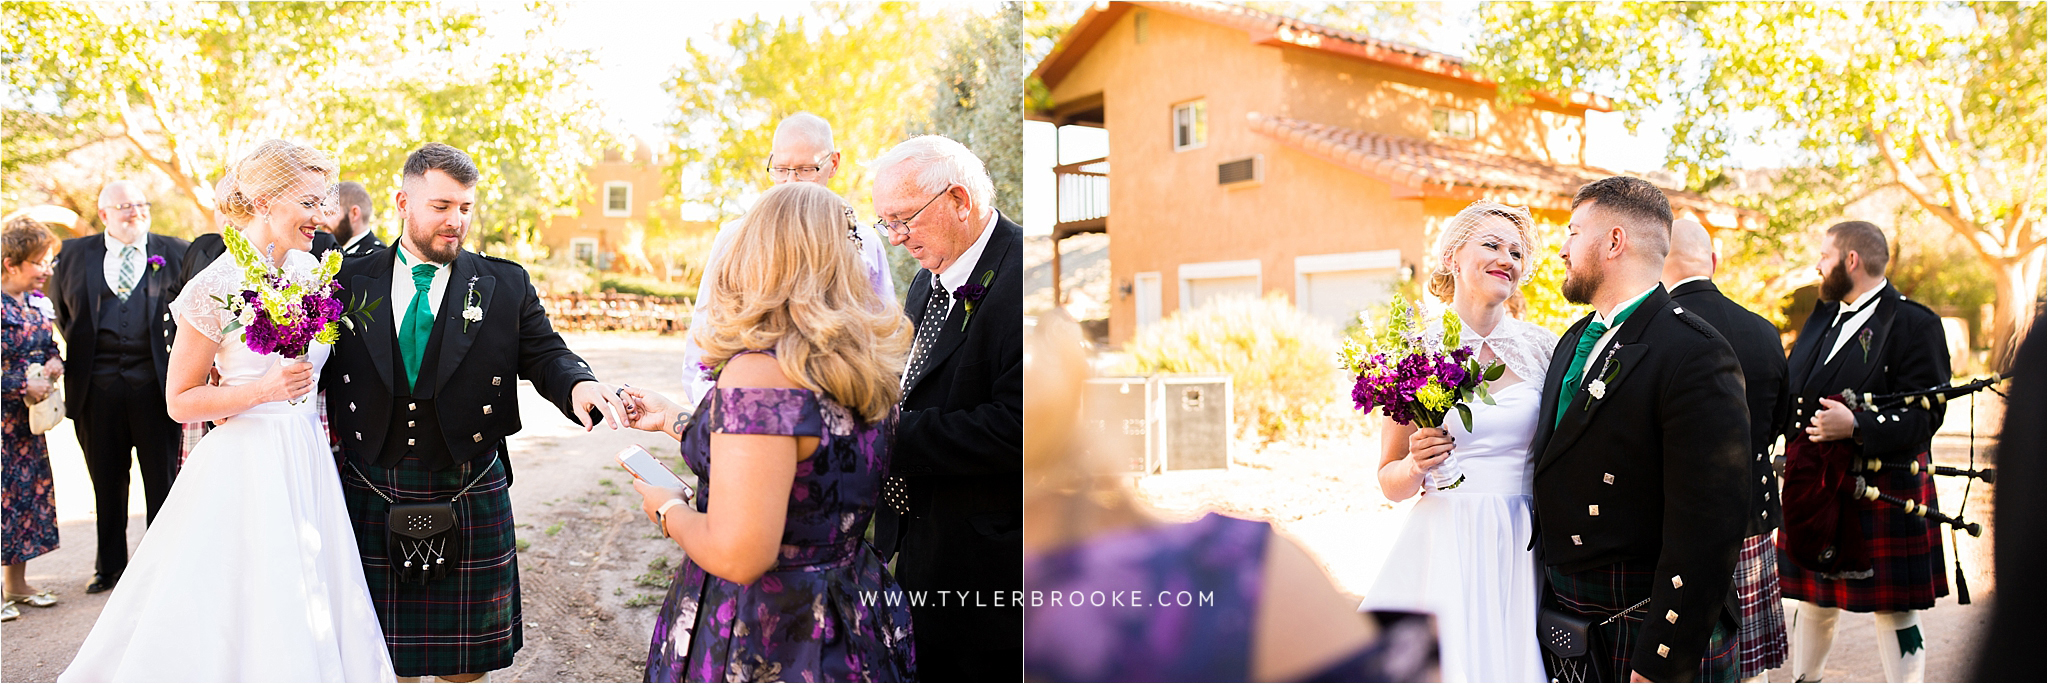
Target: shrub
[[624, 284], [1282, 364]]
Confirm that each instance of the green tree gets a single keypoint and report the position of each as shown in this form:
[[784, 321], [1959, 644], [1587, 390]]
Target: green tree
[[863, 68], [977, 99], [189, 85], [1942, 100]]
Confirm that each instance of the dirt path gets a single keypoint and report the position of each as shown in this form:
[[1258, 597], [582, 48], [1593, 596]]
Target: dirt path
[[589, 597]]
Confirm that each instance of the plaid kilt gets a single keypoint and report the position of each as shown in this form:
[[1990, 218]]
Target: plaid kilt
[[469, 620], [1762, 638], [1604, 591], [1905, 554]]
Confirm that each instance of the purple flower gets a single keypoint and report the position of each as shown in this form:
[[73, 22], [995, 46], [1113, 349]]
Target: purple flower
[[156, 261], [970, 292]]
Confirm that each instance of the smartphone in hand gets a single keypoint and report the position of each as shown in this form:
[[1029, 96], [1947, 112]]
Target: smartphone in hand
[[646, 468]]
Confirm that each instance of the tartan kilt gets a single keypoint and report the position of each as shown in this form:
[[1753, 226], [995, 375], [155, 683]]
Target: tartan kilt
[[1762, 637], [468, 620], [1604, 591], [1905, 554]]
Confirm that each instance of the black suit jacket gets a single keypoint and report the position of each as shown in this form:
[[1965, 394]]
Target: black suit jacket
[[364, 247], [1903, 350], [476, 365], [959, 447], [1767, 389], [75, 288], [1672, 433]]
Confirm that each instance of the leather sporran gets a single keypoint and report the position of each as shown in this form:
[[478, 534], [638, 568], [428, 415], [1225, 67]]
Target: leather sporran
[[422, 540], [1568, 650]]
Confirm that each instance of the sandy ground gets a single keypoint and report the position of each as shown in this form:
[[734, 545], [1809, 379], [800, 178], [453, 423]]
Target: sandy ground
[[589, 596], [1325, 497]]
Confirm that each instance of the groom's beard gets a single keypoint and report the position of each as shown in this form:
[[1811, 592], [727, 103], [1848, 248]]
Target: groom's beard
[[1835, 285], [1578, 288]]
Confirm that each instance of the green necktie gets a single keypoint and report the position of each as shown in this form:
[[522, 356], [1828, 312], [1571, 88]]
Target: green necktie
[[419, 324], [1572, 373]]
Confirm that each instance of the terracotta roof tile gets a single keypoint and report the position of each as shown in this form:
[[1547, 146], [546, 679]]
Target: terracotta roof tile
[[1441, 170]]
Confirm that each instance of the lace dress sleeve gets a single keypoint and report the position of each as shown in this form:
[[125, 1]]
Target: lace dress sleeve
[[197, 306], [1526, 349]]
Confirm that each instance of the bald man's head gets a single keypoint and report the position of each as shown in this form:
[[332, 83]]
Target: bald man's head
[[1692, 252]]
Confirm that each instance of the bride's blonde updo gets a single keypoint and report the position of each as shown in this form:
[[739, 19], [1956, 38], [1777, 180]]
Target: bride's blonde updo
[[265, 173], [791, 282], [1460, 229]]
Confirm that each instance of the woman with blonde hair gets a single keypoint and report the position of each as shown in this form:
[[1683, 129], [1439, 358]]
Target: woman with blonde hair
[[251, 570], [799, 425]]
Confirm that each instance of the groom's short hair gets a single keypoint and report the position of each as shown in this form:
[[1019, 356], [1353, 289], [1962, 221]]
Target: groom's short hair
[[1642, 207], [1866, 240], [444, 158]]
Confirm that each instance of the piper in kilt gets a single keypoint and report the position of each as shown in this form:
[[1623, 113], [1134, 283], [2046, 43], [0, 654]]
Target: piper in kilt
[[1641, 472], [1866, 337], [422, 391]]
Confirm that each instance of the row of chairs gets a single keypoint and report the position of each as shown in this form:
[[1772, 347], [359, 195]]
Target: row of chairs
[[612, 311]]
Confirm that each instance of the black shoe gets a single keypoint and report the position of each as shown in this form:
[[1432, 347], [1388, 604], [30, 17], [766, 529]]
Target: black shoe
[[102, 583]]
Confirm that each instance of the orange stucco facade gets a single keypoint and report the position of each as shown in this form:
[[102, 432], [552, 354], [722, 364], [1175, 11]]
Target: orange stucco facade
[[614, 232], [1167, 210]]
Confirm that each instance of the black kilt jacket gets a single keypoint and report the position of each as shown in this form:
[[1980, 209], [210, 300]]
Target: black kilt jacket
[[1765, 385], [1655, 470], [468, 396], [1904, 349]]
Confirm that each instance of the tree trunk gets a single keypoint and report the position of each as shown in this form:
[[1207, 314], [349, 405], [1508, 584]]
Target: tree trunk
[[2018, 281]]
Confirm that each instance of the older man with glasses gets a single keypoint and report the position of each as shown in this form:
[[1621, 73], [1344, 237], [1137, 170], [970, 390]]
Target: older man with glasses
[[953, 505], [113, 295], [802, 152]]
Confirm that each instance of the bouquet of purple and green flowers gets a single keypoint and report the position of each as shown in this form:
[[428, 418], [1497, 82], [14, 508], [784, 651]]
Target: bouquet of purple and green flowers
[[1418, 378], [279, 312]]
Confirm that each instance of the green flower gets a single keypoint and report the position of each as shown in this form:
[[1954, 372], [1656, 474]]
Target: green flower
[[1452, 327], [1434, 396]]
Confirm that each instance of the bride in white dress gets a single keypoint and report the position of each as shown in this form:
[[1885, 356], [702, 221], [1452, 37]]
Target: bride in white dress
[[250, 572], [1463, 554]]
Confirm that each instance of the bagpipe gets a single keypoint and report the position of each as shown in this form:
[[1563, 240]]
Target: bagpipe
[[1824, 480]]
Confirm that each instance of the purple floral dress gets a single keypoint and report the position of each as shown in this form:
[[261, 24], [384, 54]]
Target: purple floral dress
[[824, 612], [1176, 603], [27, 495]]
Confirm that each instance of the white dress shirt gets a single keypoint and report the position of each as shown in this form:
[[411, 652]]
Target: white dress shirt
[[112, 262], [1608, 336], [402, 289], [1858, 312]]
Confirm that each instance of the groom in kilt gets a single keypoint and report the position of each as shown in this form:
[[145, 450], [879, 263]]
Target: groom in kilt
[[1642, 442], [422, 391], [1867, 337]]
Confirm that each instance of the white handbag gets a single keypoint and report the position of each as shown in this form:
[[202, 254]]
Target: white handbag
[[45, 414]]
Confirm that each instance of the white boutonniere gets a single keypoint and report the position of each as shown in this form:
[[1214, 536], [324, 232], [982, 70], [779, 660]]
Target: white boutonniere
[[1598, 389], [1608, 369], [472, 311]]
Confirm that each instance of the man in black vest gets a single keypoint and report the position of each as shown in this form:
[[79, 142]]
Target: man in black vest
[[113, 295], [1642, 440], [1866, 337], [1688, 273], [422, 391], [954, 501]]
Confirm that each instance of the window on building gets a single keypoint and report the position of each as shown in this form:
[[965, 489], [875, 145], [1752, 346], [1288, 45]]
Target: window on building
[[584, 249], [1459, 124], [618, 198], [1190, 125]]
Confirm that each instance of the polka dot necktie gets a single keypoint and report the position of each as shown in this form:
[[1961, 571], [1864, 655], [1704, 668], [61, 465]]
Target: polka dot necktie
[[896, 492]]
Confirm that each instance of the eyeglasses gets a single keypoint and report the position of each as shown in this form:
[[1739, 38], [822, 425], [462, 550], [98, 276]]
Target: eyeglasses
[[807, 172], [136, 207], [903, 226]]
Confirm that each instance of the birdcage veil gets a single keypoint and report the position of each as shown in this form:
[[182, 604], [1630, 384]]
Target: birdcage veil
[[1466, 225], [268, 172]]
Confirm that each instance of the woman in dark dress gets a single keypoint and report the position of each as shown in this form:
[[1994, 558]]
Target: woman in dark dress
[[778, 583], [30, 500]]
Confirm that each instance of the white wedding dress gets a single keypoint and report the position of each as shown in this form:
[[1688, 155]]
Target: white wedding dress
[[250, 572], [1464, 553]]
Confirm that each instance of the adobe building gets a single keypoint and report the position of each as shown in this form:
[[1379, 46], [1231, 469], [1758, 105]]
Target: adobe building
[[1256, 153], [608, 227]]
